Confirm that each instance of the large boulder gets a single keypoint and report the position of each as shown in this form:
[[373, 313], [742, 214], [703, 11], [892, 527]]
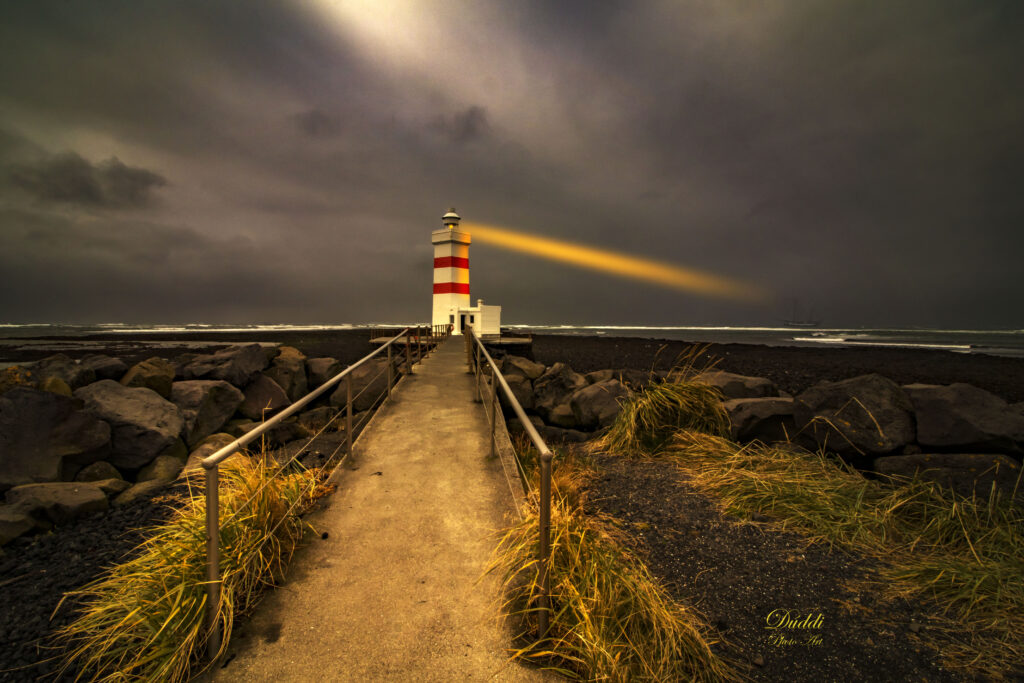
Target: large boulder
[[761, 419], [153, 373], [865, 414], [163, 468], [522, 389], [636, 380], [369, 381], [262, 398], [237, 364], [208, 447], [73, 373], [738, 386], [555, 387], [562, 416], [59, 502], [524, 367], [46, 437], [139, 491], [965, 473], [288, 369], [105, 367], [98, 471], [964, 417], [206, 405], [143, 424], [597, 405], [15, 520], [319, 370], [55, 385]]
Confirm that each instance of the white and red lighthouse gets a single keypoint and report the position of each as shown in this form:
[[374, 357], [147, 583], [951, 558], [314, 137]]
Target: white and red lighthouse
[[451, 271], [451, 282]]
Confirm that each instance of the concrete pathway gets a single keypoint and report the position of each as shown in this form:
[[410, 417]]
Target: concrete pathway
[[395, 593]]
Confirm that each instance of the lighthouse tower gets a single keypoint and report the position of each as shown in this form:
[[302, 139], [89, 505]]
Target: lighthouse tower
[[451, 272]]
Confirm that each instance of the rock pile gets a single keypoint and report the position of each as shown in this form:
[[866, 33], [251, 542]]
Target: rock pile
[[957, 435], [80, 436]]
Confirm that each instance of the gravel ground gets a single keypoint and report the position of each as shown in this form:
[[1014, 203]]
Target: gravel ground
[[744, 576], [36, 572]]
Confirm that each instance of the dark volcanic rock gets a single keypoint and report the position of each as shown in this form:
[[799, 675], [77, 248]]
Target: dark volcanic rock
[[965, 473], [764, 419], [105, 367], [73, 373], [738, 386], [522, 389], [236, 364], [288, 369], [960, 416], [597, 405], [524, 367], [98, 471], [319, 370], [867, 414], [263, 397], [59, 502], [555, 387], [153, 373], [369, 381], [206, 405], [44, 436], [143, 424]]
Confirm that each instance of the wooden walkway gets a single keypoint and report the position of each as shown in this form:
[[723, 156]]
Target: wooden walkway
[[395, 592]]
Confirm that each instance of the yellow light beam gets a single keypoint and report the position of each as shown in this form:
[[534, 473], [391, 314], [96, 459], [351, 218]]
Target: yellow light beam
[[632, 267]]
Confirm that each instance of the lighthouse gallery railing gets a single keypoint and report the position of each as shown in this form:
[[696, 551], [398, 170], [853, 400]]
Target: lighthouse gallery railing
[[418, 341], [475, 352]]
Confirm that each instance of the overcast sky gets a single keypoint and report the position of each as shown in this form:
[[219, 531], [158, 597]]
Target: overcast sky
[[232, 162]]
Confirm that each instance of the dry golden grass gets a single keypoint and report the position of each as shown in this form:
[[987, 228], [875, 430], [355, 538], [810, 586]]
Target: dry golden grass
[[611, 620], [145, 620]]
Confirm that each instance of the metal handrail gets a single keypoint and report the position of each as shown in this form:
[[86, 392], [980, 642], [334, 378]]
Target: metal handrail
[[475, 349], [212, 462]]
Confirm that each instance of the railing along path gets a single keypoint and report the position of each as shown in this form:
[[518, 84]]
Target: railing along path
[[475, 352], [417, 340]]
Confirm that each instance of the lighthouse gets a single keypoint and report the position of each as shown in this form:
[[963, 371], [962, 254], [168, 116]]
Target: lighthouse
[[451, 282]]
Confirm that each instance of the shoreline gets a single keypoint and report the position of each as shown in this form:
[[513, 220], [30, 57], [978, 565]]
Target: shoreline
[[792, 368]]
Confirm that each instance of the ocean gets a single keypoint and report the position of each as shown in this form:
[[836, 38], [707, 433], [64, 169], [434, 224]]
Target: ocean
[[992, 342]]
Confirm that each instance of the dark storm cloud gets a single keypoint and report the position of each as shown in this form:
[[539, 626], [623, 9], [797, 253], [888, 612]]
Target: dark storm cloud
[[68, 178], [866, 158], [318, 124], [464, 126]]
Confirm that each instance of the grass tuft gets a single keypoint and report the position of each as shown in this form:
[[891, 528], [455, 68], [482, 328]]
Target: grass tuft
[[145, 619], [611, 620]]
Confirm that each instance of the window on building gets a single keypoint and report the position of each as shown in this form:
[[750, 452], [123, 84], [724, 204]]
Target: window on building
[[451, 318], [471, 319]]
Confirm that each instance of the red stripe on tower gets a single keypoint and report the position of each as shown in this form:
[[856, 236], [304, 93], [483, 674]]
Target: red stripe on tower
[[451, 262], [451, 288]]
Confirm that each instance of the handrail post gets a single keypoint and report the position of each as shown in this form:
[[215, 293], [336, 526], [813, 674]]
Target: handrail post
[[348, 416], [213, 561], [469, 350], [391, 371], [408, 354], [544, 553], [476, 368], [494, 413]]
